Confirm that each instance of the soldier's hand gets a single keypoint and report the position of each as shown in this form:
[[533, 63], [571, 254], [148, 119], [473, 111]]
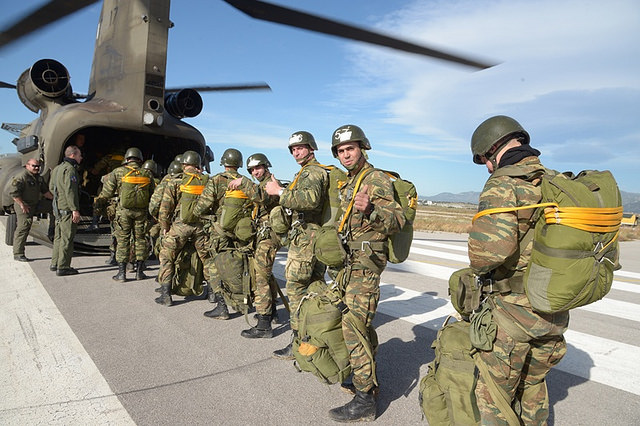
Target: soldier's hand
[[75, 216], [361, 202], [235, 184], [273, 187], [24, 207]]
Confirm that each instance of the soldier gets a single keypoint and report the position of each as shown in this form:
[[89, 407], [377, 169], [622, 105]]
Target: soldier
[[26, 189], [267, 244], [209, 204], [153, 228], [64, 185], [134, 186], [178, 200], [523, 353], [370, 216], [305, 196]]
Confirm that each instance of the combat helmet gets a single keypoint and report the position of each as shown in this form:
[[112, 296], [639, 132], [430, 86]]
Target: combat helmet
[[191, 158], [492, 131], [348, 133], [231, 158], [152, 166], [178, 158], [174, 168], [256, 160], [302, 138], [133, 153]]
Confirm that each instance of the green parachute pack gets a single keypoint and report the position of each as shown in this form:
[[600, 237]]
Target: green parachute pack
[[191, 188], [135, 190], [235, 206], [188, 276], [235, 268], [575, 238]]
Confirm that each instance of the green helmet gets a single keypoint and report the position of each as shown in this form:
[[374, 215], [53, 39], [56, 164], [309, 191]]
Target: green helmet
[[231, 158], [492, 131], [191, 158], [174, 167], [178, 158], [152, 166], [302, 138], [348, 133], [133, 153], [257, 160]]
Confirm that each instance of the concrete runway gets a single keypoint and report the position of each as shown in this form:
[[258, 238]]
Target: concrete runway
[[88, 350]]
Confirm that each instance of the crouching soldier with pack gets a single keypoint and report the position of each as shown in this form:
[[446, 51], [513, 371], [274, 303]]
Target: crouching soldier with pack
[[134, 186], [178, 222], [370, 216], [267, 243]]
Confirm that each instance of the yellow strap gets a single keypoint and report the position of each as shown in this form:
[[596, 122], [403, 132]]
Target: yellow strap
[[187, 188], [254, 213], [303, 167], [136, 180], [235, 193], [353, 197]]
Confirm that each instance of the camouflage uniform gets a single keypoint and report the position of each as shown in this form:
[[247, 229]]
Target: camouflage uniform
[[178, 232], [29, 188], [366, 237], [523, 353], [128, 221], [208, 204], [267, 243], [305, 196], [64, 185]]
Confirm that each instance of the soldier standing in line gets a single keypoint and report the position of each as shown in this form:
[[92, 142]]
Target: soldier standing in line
[[305, 197], [64, 185], [370, 216], [134, 186], [178, 222], [174, 171], [153, 228], [521, 356], [209, 204], [267, 244], [26, 189]]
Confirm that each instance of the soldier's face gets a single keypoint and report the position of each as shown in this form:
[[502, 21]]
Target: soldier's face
[[258, 171], [33, 167], [300, 152], [349, 154]]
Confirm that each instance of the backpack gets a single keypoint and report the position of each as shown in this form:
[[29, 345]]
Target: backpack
[[447, 391], [191, 188], [405, 194], [235, 206], [575, 239], [135, 190], [235, 268], [188, 276]]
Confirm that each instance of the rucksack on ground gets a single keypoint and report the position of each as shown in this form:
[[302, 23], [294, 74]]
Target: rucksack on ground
[[575, 239], [188, 275], [235, 268], [135, 190]]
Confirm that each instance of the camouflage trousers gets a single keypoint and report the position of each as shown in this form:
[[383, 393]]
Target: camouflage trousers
[[264, 256], [362, 294], [525, 349], [173, 242], [131, 224], [301, 269]]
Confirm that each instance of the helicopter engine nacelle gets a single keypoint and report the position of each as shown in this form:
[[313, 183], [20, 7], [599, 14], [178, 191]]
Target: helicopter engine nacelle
[[184, 103], [47, 79]]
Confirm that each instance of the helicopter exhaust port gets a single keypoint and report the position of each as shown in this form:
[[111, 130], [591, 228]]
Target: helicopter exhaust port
[[49, 77], [184, 103]]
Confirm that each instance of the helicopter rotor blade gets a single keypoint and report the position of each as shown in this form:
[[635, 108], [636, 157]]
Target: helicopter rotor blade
[[4, 85], [224, 88], [41, 17], [282, 15]]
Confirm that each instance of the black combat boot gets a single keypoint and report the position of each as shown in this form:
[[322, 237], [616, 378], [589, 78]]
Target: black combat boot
[[286, 353], [112, 259], [273, 315], [262, 330], [211, 296], [139, 268], [362, 408], [165, 296], [221, 311], [122, 273]]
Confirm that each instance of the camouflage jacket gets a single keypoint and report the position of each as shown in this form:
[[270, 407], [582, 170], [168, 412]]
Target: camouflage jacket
[[170, 202], [64, 185], [112, 182], [29, 187], [156, 197], [259, 196], [386, 219], [210, 201], [308, 192], [494, 240]]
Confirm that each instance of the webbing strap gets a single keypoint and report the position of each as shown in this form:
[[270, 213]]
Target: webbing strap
[[136, 180], [347, 213], [327, 168], [187, 188], [235, 193], [498, 394]]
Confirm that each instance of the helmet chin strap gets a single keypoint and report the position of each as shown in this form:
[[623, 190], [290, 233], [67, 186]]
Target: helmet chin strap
[[305, 159]]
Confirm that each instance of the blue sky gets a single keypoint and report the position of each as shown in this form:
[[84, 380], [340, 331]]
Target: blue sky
[[569, 72]]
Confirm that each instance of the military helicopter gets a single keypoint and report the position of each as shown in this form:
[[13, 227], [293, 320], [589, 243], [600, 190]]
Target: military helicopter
[[127, 103]]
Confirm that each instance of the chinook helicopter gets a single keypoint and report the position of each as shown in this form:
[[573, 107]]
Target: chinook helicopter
[[127, 103]]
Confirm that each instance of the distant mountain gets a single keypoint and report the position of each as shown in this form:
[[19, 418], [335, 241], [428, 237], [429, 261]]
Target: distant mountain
[[630, 200]]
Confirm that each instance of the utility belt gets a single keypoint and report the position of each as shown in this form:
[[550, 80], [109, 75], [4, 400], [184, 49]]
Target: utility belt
[[514, 284]]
